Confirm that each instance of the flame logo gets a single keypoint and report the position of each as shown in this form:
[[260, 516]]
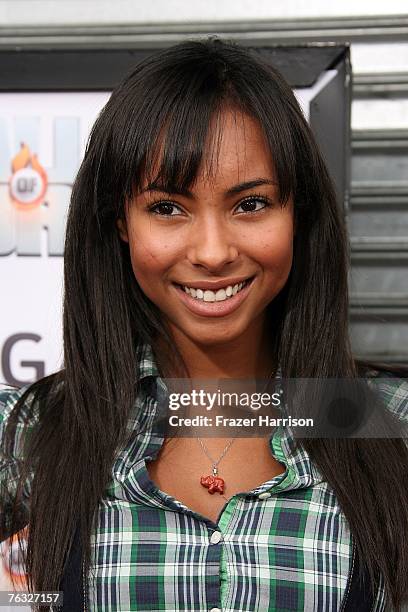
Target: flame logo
[[14, 566], [28, 182]]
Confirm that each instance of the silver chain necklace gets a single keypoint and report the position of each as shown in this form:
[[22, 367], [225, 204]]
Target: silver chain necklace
[[215, 483]]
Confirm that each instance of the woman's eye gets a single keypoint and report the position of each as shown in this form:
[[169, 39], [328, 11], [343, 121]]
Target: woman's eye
[[251, 203], [163, 209]]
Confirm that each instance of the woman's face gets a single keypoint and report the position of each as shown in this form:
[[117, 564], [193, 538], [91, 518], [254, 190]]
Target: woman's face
[[226, 229]]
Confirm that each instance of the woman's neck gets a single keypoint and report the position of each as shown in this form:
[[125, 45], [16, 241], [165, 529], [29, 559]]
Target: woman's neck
[[248, 357]]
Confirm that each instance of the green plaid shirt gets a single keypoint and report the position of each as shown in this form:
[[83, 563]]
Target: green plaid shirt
[[283, 546]]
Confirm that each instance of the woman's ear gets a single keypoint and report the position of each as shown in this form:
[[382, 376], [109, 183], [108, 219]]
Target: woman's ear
[[121, 225]]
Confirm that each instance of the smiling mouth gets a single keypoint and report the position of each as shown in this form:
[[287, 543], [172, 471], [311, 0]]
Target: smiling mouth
[[220, 295]]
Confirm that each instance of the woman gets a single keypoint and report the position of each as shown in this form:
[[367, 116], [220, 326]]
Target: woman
[[201, 174]]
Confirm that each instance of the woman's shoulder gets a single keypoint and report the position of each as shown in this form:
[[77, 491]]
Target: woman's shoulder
[[26, 417], [393, 389], [32, 393], [9, 396]]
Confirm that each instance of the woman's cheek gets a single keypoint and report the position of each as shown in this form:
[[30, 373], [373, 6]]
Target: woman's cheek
[[149, 253], [275, 251]]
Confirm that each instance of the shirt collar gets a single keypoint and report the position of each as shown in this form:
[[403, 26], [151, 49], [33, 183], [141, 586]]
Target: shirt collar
[[146, 363], [301, 472]]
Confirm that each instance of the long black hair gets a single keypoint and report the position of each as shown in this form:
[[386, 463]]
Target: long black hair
[[166, 104]]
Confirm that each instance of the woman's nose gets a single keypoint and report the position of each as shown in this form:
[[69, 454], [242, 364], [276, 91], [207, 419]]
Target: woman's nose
[[212, 245]]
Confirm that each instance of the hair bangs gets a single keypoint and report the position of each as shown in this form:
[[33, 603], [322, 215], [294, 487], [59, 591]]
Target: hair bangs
[[174, 129], [185, 147], [187, 142]]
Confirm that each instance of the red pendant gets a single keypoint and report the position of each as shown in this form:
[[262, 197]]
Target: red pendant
[[214, 484]]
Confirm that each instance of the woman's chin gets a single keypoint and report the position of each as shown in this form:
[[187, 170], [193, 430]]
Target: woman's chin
[[214, 335]]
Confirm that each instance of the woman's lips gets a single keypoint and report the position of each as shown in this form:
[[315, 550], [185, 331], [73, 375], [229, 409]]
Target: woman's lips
[[214, 309]]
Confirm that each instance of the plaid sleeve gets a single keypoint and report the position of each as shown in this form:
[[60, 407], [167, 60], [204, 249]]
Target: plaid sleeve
[[10, 463], [394, 391], [399, 398]]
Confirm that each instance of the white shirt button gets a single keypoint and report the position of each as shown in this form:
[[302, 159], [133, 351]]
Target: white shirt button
[[216, 537], [264, 495], [215, 610]]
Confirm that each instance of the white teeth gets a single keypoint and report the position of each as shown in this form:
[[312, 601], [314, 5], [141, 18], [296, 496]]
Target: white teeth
[[214, 296], [220, 295], [209, 296]]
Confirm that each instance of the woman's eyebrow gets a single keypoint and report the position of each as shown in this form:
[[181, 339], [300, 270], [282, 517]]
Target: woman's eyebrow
[[249, 185], [168, 188], [235, 189]]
